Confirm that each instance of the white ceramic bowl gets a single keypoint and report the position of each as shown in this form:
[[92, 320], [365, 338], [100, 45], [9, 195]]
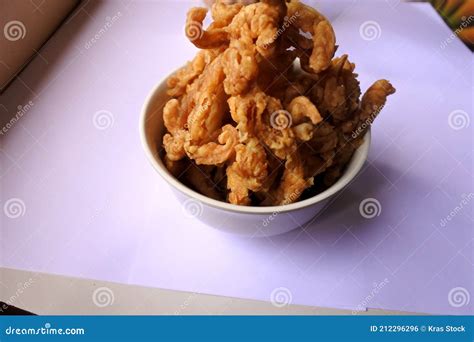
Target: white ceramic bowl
[[242, 220]]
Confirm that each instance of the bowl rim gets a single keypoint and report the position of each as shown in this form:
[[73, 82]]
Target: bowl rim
[[358, 160]]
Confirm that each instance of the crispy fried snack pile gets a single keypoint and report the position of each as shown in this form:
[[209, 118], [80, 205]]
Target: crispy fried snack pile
[[246, 123]]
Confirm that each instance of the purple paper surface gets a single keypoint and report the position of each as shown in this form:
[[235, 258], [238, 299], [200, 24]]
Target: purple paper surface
[[79, 197]]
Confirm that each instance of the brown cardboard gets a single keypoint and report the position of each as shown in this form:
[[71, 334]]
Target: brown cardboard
[[25, 25]]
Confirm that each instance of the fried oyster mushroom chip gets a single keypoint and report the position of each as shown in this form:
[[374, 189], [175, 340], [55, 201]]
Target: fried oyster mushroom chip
[[247, 172], [265, 114]]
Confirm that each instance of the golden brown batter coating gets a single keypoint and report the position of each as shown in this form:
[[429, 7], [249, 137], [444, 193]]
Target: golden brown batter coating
[[265, 111]]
